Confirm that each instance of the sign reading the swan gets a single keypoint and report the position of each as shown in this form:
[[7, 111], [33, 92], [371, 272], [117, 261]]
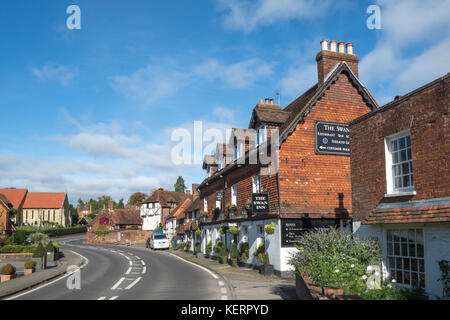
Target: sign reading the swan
[[260, 203], [332, 138]]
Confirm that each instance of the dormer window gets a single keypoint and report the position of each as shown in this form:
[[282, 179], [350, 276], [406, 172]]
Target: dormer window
[[261, 135], [221, 163], [237, 149]]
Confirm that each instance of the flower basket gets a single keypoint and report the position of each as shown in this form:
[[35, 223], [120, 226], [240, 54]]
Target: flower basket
[[233, 230], [270, 229]]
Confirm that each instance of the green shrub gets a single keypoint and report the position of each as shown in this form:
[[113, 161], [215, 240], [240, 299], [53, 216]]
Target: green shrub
[[224, 251], [30, 264], [20, 236], [208, 247], [334, 258], [181, 245], [386, 292], [8, 270], [5, 240], [102, 232], [234, 252], [218, 246], [133, 228], [266, 260], [40, 251], [50, 247], [56, 246], [39, 237]]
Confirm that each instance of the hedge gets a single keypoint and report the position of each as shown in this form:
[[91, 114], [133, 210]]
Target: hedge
[[22, 233], [17, 249]]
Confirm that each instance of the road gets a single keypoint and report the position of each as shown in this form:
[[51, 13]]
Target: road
[[127, 273]]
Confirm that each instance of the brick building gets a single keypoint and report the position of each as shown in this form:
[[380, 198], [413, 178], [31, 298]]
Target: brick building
[[291, 166], [17, 198], [401, 183], [6, 225]]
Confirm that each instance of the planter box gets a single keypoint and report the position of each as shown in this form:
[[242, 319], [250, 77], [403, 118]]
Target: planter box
[[27, 272], [266, 270], [5, 278], [332, 292], [301, 288], [41, 262], [224, 260]]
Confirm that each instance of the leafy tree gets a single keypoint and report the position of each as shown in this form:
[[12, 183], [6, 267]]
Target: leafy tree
[[136, 199], [120, 205], [74, 214], [179, 185]]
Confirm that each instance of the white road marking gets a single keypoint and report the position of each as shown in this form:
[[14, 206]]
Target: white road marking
[[114, 287], [133, 283], [131, 263], [129, 270], [143, 263], [201, 267], [101, 298], [144, 270], [224, 298], [223, 290], [114, 298], [128, 258], [221, 283]]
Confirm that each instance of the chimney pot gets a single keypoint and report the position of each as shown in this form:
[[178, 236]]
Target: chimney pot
[[333, 45], [271, 101], [261, 101], [341, 47], [324, 44], [267, 101], [349, 48]]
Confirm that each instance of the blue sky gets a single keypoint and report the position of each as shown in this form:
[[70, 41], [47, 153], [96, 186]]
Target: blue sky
[[91, 111]]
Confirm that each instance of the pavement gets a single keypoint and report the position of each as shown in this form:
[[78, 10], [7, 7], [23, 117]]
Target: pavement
[[246, 283]]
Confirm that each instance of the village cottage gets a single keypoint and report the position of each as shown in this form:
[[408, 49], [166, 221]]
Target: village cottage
[[17, 198], [306, 181], [400, 169], [40, 208], [6, 225]]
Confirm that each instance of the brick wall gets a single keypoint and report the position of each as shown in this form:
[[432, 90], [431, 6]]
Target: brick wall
[[135, 237], [426, 115], [319, 185]]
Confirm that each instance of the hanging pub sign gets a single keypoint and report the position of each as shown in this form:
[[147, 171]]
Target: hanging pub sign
[[260, 203], [219, 196], [332, 138]]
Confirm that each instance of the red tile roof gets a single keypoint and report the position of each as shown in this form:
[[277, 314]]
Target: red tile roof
[[439, 213], [181, 209], [4, 199], [126, 217], [37, 200], [166, 197], [16, 196]]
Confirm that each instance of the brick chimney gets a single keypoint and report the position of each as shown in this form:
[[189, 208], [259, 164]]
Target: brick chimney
[[111, 205], [328, 58], [188, 192], [195, 190]]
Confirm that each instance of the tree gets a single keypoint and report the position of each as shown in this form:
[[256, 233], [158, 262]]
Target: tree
[[179, 185], [73, 214], [136, 199], [120, 205]]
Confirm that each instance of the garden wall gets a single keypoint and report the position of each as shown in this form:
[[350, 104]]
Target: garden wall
[[135, 237]]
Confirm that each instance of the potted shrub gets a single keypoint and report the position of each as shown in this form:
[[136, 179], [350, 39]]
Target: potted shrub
[[224, 254], [30, 266], [50, 251], [198, 249], [40, 257], [187, 246], [208, 249], [243, 253], [234, 254], [8, 272], [266, 269], [56, 250]]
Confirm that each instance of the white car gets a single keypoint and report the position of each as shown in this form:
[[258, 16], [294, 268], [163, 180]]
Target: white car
[[159, 241]]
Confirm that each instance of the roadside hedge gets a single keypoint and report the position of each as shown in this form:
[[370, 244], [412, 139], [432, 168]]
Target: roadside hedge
[[14, 248], [22, 233]]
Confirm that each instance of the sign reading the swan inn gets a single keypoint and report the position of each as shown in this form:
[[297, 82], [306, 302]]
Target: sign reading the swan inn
[[332, 138], [260, 203]]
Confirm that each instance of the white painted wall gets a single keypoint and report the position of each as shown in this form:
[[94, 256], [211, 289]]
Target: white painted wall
[[436, 248], [151, 216]]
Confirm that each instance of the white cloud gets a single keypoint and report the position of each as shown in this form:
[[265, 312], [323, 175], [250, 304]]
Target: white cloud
[[224, 113], [62, 74], [238, 75], [154, 82], [412, 49], [249, 15], [298, 79]]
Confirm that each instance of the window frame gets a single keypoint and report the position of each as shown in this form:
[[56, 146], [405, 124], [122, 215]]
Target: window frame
[[256, 187], [234, 194], [391, 190], [391, 254]]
